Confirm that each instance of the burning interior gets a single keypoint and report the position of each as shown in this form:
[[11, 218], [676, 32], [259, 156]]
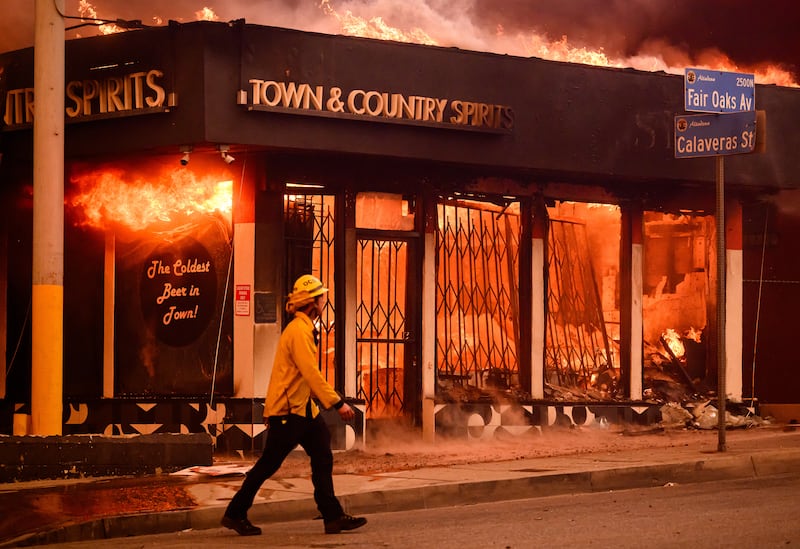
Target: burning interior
[[478, 314]]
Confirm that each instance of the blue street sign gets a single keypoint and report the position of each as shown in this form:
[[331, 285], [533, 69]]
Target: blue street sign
[[714, 134], [717, 91]]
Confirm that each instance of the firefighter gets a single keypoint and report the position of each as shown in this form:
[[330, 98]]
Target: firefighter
[[292, 416]]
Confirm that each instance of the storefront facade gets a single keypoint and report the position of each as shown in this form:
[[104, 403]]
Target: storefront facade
[[505, 239]]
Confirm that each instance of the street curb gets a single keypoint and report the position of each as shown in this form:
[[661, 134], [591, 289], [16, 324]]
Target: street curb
[[749, 465]]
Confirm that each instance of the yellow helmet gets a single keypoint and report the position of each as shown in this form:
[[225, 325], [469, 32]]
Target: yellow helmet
[[310, 284], [305, 289]]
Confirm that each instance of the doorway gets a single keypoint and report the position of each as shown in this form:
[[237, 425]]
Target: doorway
[[388, 279]]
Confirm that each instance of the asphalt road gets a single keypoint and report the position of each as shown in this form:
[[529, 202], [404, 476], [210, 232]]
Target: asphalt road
[[759, 512]]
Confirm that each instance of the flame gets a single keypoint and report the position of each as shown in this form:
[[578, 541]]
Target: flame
[[107, 198], [713, 59], [693, 334], [560, 50], [772, 74], [206, 14], [656, 56], [85, 9], [672, 339], [353, 25]]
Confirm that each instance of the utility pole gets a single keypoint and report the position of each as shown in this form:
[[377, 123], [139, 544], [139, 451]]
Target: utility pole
[[47, 312]]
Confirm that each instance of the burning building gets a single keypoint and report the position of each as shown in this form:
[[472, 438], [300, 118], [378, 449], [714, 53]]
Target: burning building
[[509, 242]]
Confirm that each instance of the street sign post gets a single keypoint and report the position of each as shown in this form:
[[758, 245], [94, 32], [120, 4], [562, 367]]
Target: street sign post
[[714, 134], [720, 92], [731, 129]]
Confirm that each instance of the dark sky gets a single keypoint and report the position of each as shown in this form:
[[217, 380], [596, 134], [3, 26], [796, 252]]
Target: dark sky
[[750, 34]]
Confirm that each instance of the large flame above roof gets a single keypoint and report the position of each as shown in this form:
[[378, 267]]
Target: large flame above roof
[[650, 35]]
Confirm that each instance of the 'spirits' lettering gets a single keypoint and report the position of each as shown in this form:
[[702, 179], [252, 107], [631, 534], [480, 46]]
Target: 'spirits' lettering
[[85, 98], [134, 91]]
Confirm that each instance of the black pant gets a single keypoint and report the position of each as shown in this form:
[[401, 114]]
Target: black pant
[[283, 436]]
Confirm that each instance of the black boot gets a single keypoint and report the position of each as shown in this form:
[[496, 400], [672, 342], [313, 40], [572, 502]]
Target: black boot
[[242, 526], [344, 522]]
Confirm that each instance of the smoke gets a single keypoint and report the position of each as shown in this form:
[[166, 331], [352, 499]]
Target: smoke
[[745, 35], [787, 201], [747, 32]]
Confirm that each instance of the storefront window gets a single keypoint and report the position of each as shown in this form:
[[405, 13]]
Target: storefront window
[[582, 334], [679, 282], [384, 211], [477, 296]]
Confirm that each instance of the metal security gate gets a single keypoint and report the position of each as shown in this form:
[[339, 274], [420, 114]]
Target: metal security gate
[[308, 226], [477, 289], [577, 343], [386, 327]]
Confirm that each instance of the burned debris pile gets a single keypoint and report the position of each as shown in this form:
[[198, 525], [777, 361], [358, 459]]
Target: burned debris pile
[[674, 377]]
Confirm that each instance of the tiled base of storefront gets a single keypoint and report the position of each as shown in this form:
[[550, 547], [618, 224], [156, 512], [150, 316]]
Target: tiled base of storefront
[[234, 427], [485, 420], [24, 458]]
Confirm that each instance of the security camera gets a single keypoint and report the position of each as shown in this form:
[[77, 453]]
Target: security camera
[[223, 152], [186, 150]]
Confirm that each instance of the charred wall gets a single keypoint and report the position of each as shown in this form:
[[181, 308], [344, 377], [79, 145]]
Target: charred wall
[[771, 300]]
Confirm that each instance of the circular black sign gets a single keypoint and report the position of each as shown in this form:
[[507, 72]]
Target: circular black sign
[[178, 291]]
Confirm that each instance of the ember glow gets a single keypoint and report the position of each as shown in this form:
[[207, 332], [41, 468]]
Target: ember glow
[[107, 199]]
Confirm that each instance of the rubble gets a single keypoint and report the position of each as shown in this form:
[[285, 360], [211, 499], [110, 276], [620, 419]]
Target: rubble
[[705, 415], [675, 415], [673, 376]]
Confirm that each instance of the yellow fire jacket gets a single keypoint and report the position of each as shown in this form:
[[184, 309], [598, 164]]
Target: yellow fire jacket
[[295, 375]]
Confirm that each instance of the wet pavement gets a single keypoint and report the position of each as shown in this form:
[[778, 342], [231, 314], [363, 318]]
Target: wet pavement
[[42, 512], [42, 505]]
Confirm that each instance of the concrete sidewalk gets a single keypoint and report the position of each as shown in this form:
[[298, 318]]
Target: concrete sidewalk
[[97, 509]]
